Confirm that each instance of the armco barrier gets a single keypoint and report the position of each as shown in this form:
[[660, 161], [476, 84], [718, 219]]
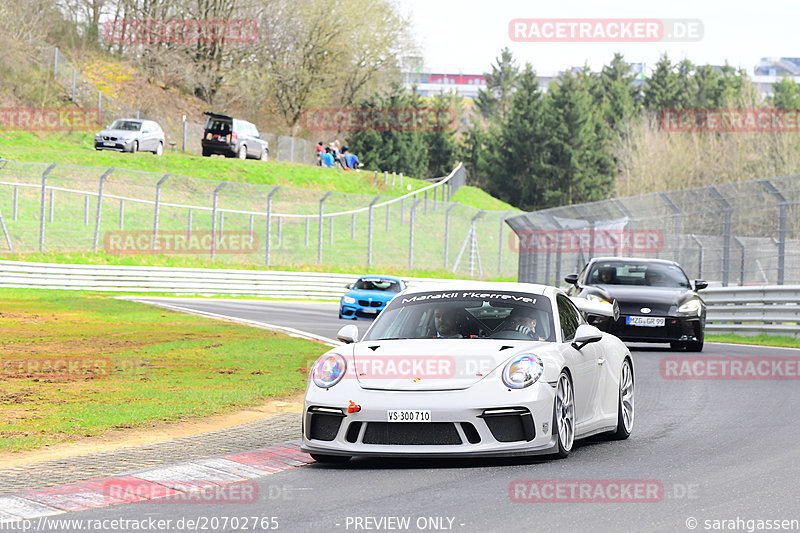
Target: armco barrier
[[201, 281], [768, 309]]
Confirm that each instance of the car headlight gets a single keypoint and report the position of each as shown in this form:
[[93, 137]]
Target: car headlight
[[328, 370], [349, 300], [596, 298], [692, 307], [522, 371]]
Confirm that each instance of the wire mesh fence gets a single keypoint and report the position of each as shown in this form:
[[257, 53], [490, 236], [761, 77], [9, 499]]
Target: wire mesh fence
[[67, 208], [734, 234]]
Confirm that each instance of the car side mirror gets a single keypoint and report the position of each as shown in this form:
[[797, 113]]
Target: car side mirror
[[585, 334], [348, 334], [700, 284], [572, 279], [348, 286]]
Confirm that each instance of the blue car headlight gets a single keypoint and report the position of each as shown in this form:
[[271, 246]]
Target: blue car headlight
[[328, 370], [522, 371], [349, 300]]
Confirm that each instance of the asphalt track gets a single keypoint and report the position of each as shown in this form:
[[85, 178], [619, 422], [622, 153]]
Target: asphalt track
[[725, 450]]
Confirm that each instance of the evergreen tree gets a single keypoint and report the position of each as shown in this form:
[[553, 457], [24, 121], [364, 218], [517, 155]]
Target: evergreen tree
[[616, 92], [786, 94], [663, 87], [500, 84]]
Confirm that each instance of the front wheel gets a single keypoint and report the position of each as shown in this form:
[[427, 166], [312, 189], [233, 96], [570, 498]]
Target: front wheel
[[264, 155], [135, 147], [159, 149], [625, 407], [564, 416], [333, 459]]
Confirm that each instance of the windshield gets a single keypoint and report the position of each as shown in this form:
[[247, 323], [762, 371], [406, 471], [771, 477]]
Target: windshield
[[128, 125], [465, 315], [637, 273], [377, 284]]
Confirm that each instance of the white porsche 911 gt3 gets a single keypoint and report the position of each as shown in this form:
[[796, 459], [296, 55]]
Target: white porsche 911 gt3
[[470, 369]]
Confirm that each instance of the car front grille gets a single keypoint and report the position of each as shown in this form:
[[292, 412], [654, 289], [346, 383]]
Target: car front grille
[[412, 433], [367, 303]]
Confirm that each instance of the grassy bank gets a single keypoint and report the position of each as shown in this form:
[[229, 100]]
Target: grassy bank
[[131, 365]]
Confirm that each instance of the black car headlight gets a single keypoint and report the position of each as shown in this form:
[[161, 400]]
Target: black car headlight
[[691, 308], [522, 371]]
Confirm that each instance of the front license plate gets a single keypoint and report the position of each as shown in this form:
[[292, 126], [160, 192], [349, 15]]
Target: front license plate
[[369, 310], [645, 321], [108, 144], [408, 415]]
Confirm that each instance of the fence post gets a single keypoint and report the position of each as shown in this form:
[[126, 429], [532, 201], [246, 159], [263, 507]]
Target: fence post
[[15, 209], [500, 243], [375, 179], [189, 225], [781, 227], [5, 233], [385, 177], [183, 144], [369, 231], [250, 230], [214, 218], [51, 209], [700, 261], [401, 180], [221, 223], [425, 211], [741, 266], [447, 232], [726, 233], [319, 236], [280, 231], [121, 214], [158, 203], [307, 223], [99, 211], [42, 206], [269, 224], [411, 217], [85, 209]]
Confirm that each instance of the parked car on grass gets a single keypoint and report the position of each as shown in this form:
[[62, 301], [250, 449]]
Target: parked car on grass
[[232, 137], [131, 135]]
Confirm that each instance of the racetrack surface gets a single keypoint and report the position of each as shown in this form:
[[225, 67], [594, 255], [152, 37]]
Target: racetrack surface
[[719, 449]]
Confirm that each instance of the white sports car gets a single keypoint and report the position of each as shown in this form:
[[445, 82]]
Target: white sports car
[[470, 369]]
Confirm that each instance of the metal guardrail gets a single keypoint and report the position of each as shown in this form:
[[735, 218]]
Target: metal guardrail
[[169, 280], [767, 309]]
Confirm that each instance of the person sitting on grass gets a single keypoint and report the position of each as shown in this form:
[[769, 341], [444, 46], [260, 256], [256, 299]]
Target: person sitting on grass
[[327, 158]]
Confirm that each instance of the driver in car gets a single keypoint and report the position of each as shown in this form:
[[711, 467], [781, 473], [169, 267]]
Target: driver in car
[[522, 320], [446, 322]]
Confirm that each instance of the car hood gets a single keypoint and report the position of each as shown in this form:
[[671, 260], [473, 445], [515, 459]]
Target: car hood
[[119, 133], [431, 364], [375, 296], [632, 299]]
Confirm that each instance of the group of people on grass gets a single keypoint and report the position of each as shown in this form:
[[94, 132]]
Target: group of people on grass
[[334, 154]]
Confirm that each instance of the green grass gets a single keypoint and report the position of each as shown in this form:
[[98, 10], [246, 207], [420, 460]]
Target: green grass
[[78, 149], [475, 197], [760, 340], [162, 366]]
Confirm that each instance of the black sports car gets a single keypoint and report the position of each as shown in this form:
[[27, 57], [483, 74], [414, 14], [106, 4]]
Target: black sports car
[[657, 302]]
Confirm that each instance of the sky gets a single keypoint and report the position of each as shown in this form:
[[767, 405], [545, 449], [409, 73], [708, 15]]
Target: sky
[[465, 36]]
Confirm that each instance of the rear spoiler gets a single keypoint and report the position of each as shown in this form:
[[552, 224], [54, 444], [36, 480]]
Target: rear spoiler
[[588, 307]]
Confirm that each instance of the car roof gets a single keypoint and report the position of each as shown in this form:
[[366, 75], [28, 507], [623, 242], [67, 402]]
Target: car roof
[[217, 115], [633, 260], [471, 285], [379, 276]]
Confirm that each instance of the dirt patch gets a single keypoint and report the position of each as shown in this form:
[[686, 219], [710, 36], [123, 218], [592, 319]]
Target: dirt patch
[[159, 432]]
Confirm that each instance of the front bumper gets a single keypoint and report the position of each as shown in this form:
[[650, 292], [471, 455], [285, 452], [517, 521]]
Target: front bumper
[[116, 145], [359, 311], [486, 419], [675, 329]]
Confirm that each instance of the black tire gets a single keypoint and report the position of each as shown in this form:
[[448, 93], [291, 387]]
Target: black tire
[[135, 147], [242, 152], [623, 430], [563, 446], [206, 153], [330, 459], [159, 149], [689, 346], [264, 155]]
